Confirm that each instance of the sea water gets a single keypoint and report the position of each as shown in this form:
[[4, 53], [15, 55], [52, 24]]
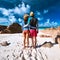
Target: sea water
[[43, 28]]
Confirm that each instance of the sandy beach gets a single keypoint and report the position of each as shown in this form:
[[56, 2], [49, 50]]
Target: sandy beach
[[15, 51], [41, 17]]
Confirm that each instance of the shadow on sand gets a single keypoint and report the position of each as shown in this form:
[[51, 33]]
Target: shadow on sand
[[46, 44]]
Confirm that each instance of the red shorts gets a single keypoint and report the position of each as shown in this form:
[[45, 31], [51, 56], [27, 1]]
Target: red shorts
[[33, 32], [25, 31]]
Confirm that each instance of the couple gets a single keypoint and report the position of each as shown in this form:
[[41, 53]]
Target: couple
[[30, 28]]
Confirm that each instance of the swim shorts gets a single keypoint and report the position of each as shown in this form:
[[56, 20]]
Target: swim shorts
[[33, 32]]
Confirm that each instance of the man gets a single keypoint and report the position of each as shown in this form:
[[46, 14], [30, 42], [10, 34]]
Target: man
[[33, 24]]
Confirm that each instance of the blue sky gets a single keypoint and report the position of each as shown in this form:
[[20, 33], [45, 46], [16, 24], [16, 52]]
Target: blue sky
[[47, 12]]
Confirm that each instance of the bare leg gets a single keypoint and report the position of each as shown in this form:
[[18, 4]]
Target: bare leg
[[24, 39], [24, 42], [27, 39], [34, 42]]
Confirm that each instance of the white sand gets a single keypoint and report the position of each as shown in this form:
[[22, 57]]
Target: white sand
[[15, 50]]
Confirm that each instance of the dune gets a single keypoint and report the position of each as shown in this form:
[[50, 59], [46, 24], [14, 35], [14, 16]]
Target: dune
[[15, 50]]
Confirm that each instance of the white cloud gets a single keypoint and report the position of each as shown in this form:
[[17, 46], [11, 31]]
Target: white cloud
[[38, 13], [3, 20], [4, 11], [45, 11], [20, 20], [21, 9], [17, 10], [12, 19], [40, 24], [48, 20], [54, 23], [48, 24], [40, 18]]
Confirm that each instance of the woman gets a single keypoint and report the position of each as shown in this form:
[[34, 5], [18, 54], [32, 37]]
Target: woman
[[26, 31]]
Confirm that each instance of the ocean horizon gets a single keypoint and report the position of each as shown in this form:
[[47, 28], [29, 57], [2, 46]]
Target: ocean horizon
[[42, 28], [7, 24]]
